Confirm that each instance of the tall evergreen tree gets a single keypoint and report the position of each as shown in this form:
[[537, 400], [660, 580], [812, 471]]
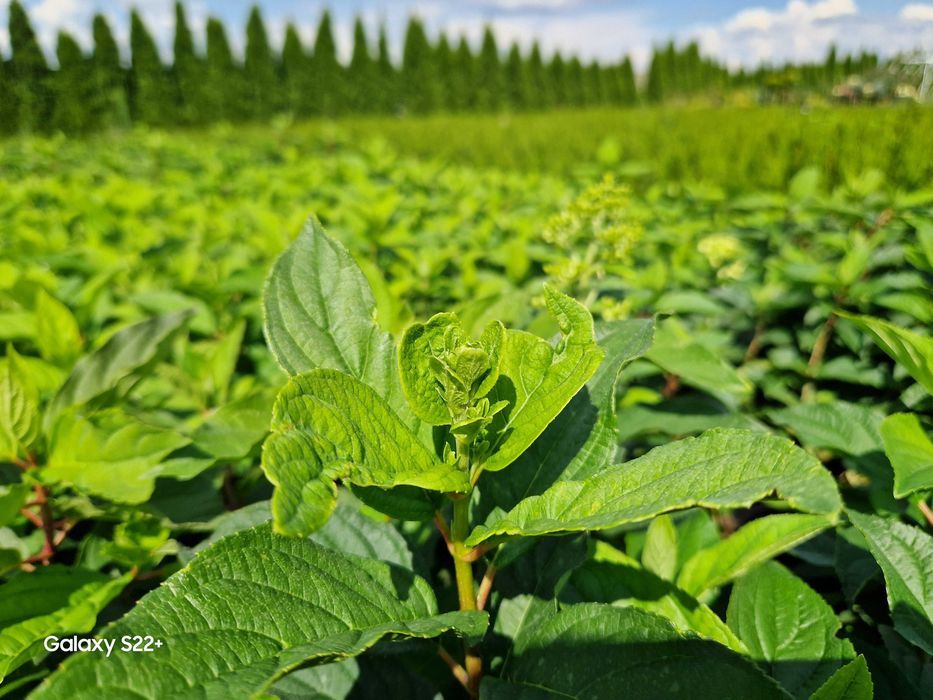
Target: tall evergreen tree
[[420, 82], [540, 95], [518, 80], [491, 83], [224, 92], [445, 66], [296, 74], [558, 79], [655, 87], [594, 92], [574, 81], [151, 97], [629, 89], [189, 72], [73, 111], [259, 69], [386, 91], [361, 72], [110, 102], [29, 73], [463, 78], [329, 86]]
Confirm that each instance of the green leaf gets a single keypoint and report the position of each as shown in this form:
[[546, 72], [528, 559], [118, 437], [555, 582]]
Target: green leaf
[[328, 426], [840, 426], [12, 498], [905, 554], [583, 438], [109, 454], [675, 351], [659, 555], [749, 546], [613, 577], [57, 334], [126, 352], [912, 351], [719, 469], [538, 381], [50, 601], [851, 682], [19, 408], [591, 651], [348, 531], [319, 313], [788, 628], [329, 682], [252, 608], [910, 451]]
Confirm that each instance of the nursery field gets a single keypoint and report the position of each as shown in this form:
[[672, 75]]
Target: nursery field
[[401, 409]]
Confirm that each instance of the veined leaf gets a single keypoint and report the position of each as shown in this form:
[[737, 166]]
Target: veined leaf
[[752, 544], [50, 601], [327, 425], [719, 469], [538, 381], [583, 438], [912, 351], [109, 454], [905, 554], [788, 628], [319, 313], [613, 577], [851, 682], [19, 407], [57, 334], [910, 451], [591, 651], [840, 426], [252, 608], [348, 531], [124, 353]]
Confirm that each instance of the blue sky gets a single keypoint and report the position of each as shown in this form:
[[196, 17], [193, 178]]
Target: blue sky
[[740, 32]]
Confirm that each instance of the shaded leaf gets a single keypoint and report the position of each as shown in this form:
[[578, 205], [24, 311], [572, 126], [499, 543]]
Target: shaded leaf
[[851, 682], [912, 351], [910, 451]]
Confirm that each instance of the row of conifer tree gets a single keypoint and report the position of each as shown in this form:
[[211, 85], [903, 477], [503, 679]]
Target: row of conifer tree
[[93, 91]]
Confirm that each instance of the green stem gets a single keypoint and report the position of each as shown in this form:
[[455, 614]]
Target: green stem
[[463, 567]]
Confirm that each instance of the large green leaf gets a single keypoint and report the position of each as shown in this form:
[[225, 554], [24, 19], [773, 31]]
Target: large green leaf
[[319, 312], [125, 352], [50, 601], [675, 351], [252, 608], [752, 544], [613, 577], [851, 682], [905, 554], [591, 651], [840, 426], [582, 439], [912, 351], [348, 531], [538, 380], [109, 454], [719, 469], [19, 407], [910, 451], [788, 628], [326, 425]]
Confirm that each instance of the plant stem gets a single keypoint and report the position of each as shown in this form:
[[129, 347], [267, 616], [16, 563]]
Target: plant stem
[[816, 356], [462, 565]]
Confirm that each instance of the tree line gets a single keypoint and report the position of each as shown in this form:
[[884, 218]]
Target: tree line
[[97, 91]]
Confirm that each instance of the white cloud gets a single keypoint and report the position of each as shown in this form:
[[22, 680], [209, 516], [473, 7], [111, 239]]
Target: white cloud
[[917, 12], [803, 31]]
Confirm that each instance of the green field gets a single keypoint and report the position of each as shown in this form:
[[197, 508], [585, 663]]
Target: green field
[[753, 274]]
